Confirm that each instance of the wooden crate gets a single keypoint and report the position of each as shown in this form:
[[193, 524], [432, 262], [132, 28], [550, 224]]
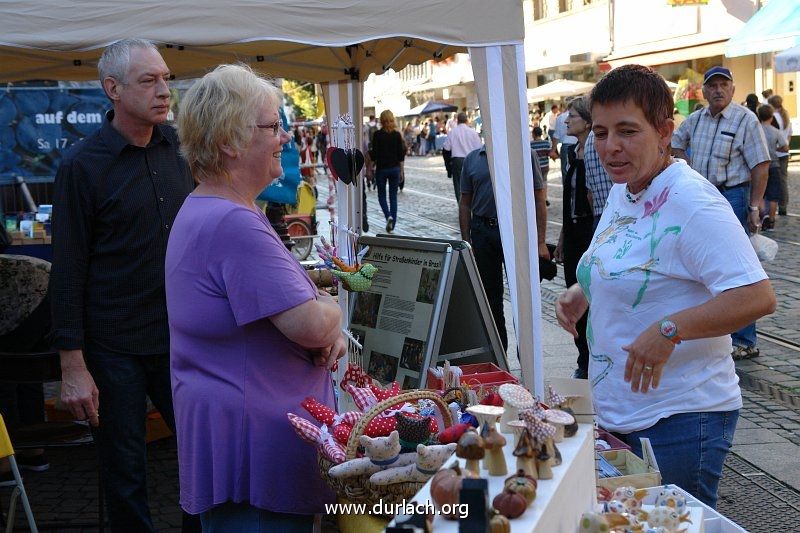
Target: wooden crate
[[636, 472]]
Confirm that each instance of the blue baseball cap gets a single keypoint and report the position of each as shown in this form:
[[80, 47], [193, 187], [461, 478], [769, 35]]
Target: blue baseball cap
[[717, 71]]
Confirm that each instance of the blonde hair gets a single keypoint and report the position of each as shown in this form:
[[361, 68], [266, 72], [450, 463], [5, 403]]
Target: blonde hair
[[220, 110], [776, 101], [387, 121]]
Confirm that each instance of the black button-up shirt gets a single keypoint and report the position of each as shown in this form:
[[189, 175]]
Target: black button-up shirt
[[113, 207]]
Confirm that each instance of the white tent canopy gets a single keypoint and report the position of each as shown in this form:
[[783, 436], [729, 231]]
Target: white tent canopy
[[335, 42], [558, 89], [788, 60]]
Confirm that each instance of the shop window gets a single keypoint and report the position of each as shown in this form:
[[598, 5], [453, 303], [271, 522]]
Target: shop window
[[564, 5], [539, 9]]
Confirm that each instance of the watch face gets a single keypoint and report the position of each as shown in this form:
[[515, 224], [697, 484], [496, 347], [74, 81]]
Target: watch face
[[668, 328]]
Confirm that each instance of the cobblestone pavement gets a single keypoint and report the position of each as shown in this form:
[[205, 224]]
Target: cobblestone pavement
[[762, 475]]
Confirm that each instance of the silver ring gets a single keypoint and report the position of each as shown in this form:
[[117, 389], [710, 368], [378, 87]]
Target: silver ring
[[648, 368]]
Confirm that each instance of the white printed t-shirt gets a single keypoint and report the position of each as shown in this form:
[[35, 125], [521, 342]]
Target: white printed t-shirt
[[677, 247]]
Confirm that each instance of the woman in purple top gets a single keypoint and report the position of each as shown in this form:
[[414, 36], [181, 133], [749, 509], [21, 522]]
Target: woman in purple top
[[250, 334]]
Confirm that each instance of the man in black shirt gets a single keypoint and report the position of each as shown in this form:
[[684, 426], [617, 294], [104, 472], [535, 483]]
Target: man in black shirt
[[116, 196]]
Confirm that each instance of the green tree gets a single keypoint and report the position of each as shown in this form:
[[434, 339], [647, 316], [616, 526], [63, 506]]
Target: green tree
[[302, 97]]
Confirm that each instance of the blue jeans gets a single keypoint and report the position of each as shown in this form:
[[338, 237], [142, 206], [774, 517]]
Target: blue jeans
[[690, 449], [392, 175], [739, 199], [242, 517], [124, 381]]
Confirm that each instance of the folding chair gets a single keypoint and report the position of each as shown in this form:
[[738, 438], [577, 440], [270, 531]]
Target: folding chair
[[7, 452], [42, 368]]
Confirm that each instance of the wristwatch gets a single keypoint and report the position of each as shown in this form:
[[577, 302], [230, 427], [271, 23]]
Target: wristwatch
[[753, 208], [669, 330]]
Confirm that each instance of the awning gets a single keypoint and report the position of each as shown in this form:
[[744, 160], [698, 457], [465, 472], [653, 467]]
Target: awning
[[788, 60], [664, 57], [558, 89], [774, 27]]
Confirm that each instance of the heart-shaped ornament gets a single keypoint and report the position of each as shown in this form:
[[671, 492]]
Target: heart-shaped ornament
[[328, 154], [341, 163], [357, 162]]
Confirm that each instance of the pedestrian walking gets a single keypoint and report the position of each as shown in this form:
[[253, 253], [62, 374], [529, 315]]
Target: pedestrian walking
[[541, 147], [388, 153], [728, 148], [460, 141], [776, 145], [782, 121]]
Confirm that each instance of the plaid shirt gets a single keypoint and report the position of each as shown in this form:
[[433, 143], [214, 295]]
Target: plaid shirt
[[597, 179], [725, 148]]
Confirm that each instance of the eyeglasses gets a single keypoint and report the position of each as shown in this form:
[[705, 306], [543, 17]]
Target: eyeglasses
[[275, 127]]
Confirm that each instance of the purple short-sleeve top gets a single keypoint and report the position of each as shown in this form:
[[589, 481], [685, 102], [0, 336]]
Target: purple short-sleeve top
[[234, 374]]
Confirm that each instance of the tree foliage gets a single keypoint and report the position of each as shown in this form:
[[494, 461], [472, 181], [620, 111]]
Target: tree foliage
[[302, 97]]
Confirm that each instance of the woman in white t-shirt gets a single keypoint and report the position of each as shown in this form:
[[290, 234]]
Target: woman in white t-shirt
[[670, 273]]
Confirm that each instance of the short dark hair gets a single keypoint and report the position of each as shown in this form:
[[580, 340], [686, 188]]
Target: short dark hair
[[462, 118], [765, 112], [537, 130], [638, 84]]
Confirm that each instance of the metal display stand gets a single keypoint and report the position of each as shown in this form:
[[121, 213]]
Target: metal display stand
[[426, 305]]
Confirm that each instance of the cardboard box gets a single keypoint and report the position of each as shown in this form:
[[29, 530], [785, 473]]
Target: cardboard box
[[613, 441], [486, 375], [636, 472]]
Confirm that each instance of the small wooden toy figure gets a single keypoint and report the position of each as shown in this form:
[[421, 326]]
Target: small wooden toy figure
[[470, 447], [525, 452], [543, 434], [494, 461]]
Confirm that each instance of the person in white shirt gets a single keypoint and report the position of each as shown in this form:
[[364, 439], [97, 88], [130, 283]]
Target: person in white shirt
[[782, 122], [665, 295], [460, 141], [548, 123]]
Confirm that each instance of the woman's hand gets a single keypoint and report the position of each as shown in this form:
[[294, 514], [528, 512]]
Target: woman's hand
[[647, 356], [570, 307], [328, 355]]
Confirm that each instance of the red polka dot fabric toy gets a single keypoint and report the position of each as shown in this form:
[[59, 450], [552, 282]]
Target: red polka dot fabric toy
[[329, 448], [325, 415]]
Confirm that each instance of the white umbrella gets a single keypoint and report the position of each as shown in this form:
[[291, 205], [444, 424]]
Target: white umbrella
[[558, 89], [788, 60]]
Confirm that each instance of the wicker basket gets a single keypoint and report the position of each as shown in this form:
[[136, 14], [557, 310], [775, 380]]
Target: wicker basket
[[359, 489]]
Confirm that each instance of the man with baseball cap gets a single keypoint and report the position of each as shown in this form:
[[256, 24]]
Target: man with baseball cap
[[728, 148]]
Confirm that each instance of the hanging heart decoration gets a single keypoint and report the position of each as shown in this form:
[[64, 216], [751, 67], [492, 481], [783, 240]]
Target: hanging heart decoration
[[346, 164], [328, 162]]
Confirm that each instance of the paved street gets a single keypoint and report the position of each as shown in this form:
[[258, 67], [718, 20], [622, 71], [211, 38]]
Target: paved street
[[759, 489]]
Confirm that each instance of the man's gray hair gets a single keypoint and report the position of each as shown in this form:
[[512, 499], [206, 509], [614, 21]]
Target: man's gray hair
[[117, 57]]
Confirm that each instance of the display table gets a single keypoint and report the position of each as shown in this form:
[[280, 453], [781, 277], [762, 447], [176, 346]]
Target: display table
[[559, 501]]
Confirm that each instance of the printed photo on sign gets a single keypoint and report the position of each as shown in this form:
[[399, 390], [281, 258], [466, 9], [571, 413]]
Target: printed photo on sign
[[413, 350], [365, 311], [382, 367], [410, 382], [428, 283]]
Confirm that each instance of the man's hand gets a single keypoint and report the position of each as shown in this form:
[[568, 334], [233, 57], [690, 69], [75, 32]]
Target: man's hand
[[553, 154], [78, 390], [754, 220], [544, 251], [558, 253]]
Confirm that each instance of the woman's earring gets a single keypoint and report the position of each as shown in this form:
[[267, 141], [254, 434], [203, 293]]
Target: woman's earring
[[660, 151]]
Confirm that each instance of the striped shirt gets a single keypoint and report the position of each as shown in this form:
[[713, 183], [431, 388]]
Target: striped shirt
[[597, 179], [725, 148], [542, 149]]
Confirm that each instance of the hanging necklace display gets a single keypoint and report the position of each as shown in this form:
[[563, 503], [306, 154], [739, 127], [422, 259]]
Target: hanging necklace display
[[344, 161]]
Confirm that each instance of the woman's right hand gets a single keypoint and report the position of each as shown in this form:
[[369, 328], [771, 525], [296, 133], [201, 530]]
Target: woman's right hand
[[328, 355], [570, 307]]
